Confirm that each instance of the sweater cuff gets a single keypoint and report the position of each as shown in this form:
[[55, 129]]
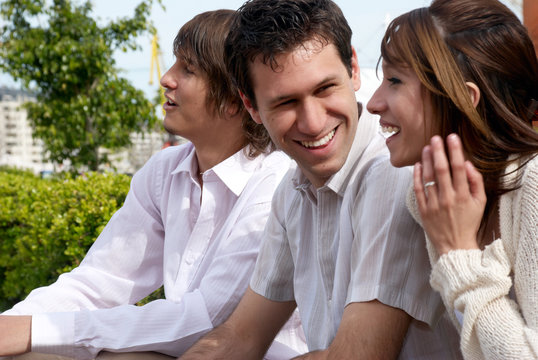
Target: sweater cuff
[[53, 333], [478, 274]]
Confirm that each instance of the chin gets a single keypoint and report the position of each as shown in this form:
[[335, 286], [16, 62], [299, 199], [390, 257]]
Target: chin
[[169, 128]]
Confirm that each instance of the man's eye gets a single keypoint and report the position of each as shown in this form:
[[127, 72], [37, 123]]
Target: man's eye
[[285, 102]]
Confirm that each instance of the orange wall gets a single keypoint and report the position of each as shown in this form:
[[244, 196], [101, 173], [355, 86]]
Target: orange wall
[[530, 19]]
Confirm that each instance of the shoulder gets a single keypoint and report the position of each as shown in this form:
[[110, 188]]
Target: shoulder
[[527, 192], [286, 193], [276, 161], [289, 183], [530, 175], [162, 164], [172, 156], [527, 199], [377, 175], [168, 159]]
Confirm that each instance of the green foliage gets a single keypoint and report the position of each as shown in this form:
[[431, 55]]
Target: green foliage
[[157, 294], [47, 225], [60, 53]]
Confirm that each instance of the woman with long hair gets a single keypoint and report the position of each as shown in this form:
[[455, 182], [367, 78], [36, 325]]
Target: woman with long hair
[[458, 99]]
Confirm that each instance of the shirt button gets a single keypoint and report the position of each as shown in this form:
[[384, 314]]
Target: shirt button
[[189, 260]]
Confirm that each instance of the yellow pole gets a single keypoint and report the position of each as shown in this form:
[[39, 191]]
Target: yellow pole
[[155, 64]]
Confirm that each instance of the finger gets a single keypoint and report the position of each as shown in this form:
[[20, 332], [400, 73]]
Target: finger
[[419, 188], [476, 182], [428, 175], [457, 164], [441, 167]]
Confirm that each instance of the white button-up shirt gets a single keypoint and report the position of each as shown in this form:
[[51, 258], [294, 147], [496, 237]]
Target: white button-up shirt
[[200, 242]]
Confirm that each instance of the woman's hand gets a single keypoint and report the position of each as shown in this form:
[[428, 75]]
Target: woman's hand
[[452, 206]]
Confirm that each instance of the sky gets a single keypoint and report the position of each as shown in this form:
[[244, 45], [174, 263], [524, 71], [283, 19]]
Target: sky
[[367, 18]]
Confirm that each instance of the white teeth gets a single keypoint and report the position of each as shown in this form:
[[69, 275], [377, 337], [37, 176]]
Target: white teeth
[[388, 131], [324, 140]]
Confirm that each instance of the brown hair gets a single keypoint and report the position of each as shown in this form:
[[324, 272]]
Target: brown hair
[[200, 42], [271, 27], [481, 41]]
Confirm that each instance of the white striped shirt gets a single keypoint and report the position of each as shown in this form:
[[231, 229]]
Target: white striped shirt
[[352, 240]]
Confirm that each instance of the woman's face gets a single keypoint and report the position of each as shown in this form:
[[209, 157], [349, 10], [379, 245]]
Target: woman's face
[[405, 114]]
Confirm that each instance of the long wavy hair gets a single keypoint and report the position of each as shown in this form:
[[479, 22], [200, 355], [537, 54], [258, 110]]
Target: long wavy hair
[[452, 42]]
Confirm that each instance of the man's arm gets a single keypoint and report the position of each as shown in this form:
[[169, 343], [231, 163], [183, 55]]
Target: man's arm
[[369, 330], [248, 332], [15, 334]]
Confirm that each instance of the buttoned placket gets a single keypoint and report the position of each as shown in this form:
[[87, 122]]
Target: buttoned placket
[[325, 247], [202, 231]]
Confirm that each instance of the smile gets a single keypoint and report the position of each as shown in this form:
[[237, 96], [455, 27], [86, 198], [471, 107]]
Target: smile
[[388, 131], [321, 142]]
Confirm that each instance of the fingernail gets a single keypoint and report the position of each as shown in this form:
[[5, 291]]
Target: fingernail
[[454, 138], [425, 150]]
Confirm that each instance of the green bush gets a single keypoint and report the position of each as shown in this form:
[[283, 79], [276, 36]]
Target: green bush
[[47, 225]]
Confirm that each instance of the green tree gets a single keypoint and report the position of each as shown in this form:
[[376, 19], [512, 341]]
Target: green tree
[[60, 53]]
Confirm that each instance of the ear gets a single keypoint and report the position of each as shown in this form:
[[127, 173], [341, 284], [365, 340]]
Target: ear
[[355, 70], [250, 108], [474, 92], [232, 108]]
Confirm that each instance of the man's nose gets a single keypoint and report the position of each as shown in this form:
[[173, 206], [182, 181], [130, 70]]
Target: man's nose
[[311, 117]]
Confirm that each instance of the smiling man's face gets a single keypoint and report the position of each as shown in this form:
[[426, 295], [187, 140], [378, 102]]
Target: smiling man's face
[[308, 106]]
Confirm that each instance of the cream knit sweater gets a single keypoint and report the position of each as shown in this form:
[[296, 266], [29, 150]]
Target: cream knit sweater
[[477, 283]]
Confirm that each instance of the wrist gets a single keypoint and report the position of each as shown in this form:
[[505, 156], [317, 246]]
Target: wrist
[[15, 335]]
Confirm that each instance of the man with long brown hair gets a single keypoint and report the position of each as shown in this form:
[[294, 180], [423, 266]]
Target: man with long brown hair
[[192, 221]]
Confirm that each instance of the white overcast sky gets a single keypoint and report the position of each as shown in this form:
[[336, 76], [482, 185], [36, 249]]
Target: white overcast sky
[[367, 18]]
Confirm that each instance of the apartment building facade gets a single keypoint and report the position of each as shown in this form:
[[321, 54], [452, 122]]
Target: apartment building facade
[[19, 149]]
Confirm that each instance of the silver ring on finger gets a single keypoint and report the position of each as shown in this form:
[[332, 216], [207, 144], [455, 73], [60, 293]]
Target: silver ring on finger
[[428, 184]]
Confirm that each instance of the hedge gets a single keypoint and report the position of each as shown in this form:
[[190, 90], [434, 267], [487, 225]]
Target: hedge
[[47, 225]]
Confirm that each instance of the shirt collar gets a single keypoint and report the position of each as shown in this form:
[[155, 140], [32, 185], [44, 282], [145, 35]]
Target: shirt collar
[[234, 172], [366, 129]]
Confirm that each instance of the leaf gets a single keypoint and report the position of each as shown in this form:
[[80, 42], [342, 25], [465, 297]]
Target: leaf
[[67, 57]]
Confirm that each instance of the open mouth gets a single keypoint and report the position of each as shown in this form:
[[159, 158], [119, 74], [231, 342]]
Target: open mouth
[[388, 131], [319, 143]]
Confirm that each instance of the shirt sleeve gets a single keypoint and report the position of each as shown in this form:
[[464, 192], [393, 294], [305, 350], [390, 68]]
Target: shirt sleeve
[[273, 274], [104, 279], [165, 326], [389, 261], [162, 325], [477, 283]]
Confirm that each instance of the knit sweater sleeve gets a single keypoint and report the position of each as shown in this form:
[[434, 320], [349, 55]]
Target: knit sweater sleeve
[[477, 283]]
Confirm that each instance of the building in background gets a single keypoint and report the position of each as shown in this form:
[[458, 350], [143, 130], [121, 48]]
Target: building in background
[[17, 146], [19, 149]]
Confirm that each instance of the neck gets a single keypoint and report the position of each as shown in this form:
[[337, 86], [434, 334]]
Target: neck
[[219, 141], [211, 155]]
